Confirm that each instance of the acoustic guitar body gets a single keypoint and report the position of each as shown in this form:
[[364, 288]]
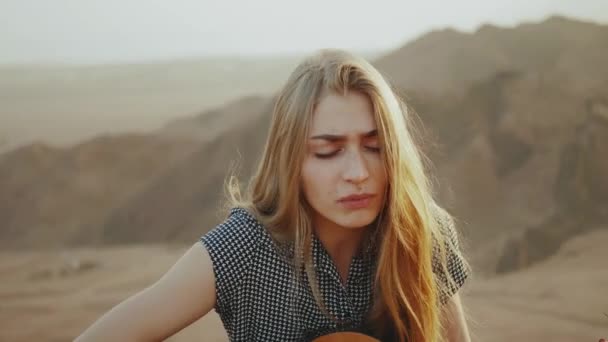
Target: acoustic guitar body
[[345, 337]]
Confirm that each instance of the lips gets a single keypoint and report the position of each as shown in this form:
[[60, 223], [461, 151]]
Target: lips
[[356, 201], [355, 197]]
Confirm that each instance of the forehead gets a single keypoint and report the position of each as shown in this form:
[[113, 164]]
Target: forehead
[[343, 114]]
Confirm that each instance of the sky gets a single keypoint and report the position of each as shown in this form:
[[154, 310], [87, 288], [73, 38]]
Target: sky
[[110, 31]]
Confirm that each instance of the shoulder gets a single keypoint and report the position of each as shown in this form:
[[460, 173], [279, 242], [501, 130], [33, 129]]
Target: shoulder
[[240, 230], [446, 225], [448, 261], [233, 244]]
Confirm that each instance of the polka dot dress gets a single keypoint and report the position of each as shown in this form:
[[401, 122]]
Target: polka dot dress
[[259, 298]]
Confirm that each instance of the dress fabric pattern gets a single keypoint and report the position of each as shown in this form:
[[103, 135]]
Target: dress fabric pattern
[[258, 297]]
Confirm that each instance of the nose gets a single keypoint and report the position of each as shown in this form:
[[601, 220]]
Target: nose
[[355, 168]]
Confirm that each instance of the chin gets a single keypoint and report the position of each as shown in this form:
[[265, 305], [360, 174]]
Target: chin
[[357, 218]]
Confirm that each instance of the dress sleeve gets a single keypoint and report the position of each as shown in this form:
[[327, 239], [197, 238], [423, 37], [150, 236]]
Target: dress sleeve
[[231, 245], [457, 268]]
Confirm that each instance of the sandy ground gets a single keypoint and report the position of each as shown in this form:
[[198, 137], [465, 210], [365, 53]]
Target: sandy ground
[[53, 296]]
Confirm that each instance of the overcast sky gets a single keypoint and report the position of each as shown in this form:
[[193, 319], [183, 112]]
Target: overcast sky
[[100, 31]]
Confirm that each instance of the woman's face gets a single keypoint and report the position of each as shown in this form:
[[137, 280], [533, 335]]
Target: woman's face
[[343, 175]]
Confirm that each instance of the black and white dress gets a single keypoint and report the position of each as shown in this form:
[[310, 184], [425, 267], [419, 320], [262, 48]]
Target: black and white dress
[[258, 298]]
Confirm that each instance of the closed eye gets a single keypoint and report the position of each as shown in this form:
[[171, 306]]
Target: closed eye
[[329, 155], [326, 155]]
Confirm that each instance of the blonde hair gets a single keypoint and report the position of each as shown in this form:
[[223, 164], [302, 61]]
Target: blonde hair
[[407, 292]]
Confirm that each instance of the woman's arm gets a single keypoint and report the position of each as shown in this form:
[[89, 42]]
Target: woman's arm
[[454, 322], [183, 295]]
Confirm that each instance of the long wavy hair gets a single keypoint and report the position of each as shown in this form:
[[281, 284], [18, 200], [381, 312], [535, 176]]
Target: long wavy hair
[[407, 292]]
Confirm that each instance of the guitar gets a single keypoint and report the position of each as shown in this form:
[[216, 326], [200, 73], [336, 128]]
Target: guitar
[[345, 337]]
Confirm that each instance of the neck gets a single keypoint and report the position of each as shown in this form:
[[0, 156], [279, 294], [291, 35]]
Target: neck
[[341, 243]]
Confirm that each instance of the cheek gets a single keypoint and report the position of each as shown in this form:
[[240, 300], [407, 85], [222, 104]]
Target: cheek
[[317, 179], [379, 172]]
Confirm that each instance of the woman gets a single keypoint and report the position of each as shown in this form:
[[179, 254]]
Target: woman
[[338, 230]]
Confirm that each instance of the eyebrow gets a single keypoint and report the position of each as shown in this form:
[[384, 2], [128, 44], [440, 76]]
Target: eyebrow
[[336, 138]]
